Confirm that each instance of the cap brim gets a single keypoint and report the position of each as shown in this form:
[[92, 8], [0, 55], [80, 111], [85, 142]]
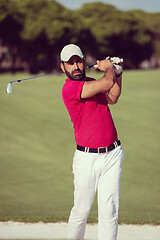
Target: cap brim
[[69, 51], [69, 57]]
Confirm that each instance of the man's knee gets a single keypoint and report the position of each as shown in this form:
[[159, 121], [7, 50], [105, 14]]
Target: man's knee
[[109, 209], [81, 212]]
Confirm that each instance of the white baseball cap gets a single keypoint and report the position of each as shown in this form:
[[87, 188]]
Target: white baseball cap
[[70, 50]]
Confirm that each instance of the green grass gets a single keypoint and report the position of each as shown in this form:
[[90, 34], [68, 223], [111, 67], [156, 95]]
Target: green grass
[[37, 147]]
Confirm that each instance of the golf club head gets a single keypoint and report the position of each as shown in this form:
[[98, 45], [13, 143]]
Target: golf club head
[[9, 88]]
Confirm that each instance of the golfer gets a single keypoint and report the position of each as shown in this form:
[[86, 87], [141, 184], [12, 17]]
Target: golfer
[[97, 162]]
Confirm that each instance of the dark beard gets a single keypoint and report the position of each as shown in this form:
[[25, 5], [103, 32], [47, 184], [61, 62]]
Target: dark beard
[[79, 77]]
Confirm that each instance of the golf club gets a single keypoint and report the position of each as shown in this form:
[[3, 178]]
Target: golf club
[[114, 60]]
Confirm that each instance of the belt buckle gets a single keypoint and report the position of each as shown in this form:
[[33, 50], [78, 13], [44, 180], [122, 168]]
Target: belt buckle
[[106, 150]]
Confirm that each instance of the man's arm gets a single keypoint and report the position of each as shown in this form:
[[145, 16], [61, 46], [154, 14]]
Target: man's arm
[[104, 84], [114, 93]]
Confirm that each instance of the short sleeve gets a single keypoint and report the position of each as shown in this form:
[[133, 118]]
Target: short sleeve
[[72, 91]]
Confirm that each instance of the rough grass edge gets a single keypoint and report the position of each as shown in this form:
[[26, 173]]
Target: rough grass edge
[[90, 220]]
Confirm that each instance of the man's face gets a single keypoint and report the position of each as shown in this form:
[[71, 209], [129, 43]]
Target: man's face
[[74, 68]]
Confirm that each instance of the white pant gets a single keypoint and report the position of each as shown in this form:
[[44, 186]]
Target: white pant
[[92, 171]]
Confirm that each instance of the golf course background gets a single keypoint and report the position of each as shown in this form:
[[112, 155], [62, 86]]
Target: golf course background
[[37, 147]]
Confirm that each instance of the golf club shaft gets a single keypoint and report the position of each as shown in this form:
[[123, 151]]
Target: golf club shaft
[[46, 75]]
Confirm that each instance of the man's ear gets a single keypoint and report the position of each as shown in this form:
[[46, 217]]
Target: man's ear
[[62, 67]]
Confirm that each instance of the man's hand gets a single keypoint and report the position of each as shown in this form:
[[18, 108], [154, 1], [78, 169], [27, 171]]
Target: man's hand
[[104, 65], [116, 61]]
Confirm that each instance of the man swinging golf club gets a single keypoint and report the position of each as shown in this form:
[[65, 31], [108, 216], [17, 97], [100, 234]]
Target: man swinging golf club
[[97, 162]]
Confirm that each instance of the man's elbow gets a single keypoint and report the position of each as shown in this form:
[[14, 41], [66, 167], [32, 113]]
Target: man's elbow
[[113, 101]]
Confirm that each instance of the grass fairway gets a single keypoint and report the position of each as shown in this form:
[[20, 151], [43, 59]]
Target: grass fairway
[[37, 146]]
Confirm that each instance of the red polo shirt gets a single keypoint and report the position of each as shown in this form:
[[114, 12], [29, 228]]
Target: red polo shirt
[[91, 117]]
